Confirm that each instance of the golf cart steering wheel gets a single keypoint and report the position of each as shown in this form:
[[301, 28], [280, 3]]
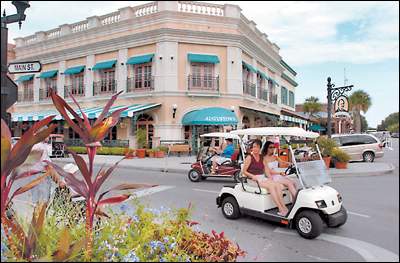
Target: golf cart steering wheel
[[290, 170]]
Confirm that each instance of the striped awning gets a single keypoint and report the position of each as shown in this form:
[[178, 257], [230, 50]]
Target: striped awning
[[262, 74], [91, 113], [201, 58], [74, 70], [105, 65], [249, 67], [292, 119]]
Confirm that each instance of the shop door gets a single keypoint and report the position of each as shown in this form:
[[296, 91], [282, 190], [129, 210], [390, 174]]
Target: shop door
[[146, 122]]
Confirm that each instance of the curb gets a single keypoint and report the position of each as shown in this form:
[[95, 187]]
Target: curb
[[180, 170], [375, 173]]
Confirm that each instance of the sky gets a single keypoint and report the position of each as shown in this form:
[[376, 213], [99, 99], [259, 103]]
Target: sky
[[317, 39]]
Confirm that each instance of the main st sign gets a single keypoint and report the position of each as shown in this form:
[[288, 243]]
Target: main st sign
[[24, 67]]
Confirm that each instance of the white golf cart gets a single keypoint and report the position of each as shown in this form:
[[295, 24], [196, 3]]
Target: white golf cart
[[315, 202]]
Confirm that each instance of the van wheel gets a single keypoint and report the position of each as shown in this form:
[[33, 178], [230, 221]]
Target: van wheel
[[230, 208], [194, 175], [368, 157], [236, 177], [309, 224]]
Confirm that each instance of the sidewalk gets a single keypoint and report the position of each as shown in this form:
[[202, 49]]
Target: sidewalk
[[182, 165]]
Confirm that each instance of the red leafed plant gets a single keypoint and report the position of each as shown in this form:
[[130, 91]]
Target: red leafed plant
[[14, 157], [91, 136]]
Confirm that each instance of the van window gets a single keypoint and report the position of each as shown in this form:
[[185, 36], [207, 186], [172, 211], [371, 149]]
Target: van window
[[356, 140]]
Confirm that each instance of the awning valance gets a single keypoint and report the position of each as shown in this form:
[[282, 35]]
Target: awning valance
[[249, 67], [200, 58], [25, 78], [91, 113], [48, 74], [316, 128], [210, 116], [140, 59], [74, 70], [104, 65]]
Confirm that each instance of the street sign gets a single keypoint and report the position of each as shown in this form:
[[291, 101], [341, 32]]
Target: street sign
[[341, 114], [341, 107], [24, 67]]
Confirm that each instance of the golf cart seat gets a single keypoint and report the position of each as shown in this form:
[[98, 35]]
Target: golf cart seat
[[251, 187]]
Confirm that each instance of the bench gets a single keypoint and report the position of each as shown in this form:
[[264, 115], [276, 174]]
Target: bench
[[179, 148]]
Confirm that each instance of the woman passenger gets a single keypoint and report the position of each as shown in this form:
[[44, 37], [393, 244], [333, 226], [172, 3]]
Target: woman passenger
[[255, 169]]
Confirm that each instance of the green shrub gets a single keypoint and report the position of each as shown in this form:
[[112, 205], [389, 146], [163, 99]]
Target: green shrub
[[162, 148], [340, 155], [78, 149], [117, 150], [141, 137]]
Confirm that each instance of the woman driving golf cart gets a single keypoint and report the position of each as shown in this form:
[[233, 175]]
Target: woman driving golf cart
[[272, 162], [255, 168], [224, 155]]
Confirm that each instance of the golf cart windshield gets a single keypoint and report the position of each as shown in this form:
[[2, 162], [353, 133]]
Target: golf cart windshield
[[313, 173]]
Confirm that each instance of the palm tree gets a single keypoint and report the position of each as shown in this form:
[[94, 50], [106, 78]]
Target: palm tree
[[312, 106], [359, 101]]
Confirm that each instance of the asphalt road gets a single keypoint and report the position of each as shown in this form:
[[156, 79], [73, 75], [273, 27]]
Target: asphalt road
[[370, 234]]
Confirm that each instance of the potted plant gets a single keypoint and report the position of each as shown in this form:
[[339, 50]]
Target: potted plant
[[341, 158], [150, 153], [161, 151], [284, 155], [326, 146], [129, 153], [141, 138]]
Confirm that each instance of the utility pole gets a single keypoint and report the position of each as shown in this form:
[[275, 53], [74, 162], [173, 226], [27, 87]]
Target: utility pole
[[8, 87]]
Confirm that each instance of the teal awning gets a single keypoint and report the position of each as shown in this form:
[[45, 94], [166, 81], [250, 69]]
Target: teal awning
[[25, 78], [140, 59], [203, 58], [48, 74], [262, 74], [104, 65], [249, 67], [210, 116], [316, 128], [74, 70]]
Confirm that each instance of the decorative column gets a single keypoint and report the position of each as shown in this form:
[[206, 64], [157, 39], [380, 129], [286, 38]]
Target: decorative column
[[61, 78], [122, 69], [89, 76], [254, 75], [36, 87], [166, 66], [234, 71]]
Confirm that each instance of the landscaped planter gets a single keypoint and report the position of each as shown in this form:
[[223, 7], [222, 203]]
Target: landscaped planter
[[141, 153], [150, 153], [340, 165], [160, 154], [284, 156]]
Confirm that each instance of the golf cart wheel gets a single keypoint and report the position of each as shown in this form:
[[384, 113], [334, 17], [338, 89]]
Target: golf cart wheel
[[368, 157], [230, 208], [309, 224], [236, 177], [194, 175]]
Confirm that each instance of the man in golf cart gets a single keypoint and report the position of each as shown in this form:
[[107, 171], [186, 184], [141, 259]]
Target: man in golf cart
[[223, 154]]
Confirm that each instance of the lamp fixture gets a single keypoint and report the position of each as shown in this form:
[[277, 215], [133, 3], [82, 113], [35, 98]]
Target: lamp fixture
[[174, 107], [232, 108]]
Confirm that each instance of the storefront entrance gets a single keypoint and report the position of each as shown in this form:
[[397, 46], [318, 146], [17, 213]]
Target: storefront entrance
[[146, 122]]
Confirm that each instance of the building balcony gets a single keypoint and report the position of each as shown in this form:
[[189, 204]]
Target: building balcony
[[249, 88], [76, 90], [26, 96], [140, 84], [203, 83], [104, 87]]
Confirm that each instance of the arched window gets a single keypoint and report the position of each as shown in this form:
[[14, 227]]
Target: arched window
[[146, 122]]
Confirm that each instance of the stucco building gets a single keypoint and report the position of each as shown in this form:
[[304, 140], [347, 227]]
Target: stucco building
[[184, 68]]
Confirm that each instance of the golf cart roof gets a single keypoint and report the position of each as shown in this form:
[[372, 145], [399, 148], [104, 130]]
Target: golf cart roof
[[226, 135], [277, 131]]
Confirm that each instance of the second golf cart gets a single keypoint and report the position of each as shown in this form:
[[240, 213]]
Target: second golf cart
[[201, 169], [315, 202]]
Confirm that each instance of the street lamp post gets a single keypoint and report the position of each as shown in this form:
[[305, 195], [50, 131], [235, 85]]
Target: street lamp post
[[7, 92], [333, 94]]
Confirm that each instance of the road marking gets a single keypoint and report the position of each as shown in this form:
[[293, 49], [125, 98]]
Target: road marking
[[367, 250], [357, 214], [208, 191], [152, 190]]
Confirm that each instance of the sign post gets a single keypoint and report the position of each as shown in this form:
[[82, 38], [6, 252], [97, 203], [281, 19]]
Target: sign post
[[341, 102]]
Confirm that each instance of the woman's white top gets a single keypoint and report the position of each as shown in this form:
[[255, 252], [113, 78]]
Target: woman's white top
[[273, 165]]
